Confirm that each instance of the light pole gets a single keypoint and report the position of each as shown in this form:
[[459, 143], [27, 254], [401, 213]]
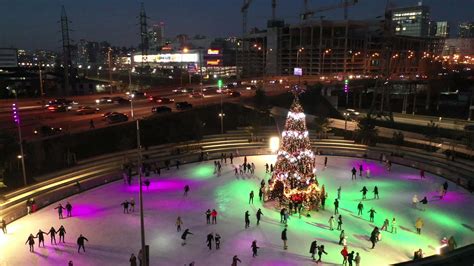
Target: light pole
[[140, 195], [327, 51], [221, 116], [16, 119], [109, 57], [346, 115], [298, 64]]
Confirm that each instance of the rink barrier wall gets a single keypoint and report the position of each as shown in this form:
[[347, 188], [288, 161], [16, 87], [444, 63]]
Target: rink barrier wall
[[101, 170]]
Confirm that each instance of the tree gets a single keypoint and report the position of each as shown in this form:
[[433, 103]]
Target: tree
[[294, 175], [366, 132], [321, 125]]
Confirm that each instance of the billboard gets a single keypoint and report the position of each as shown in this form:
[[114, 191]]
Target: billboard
[[298, 71], [168, 58]]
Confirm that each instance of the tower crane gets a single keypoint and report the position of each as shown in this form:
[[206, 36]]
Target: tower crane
[[244, 10], [307, 13]]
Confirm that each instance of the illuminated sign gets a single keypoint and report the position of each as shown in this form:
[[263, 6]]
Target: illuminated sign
[[298, 71], [213, 62], [213, 51], [168, 58]]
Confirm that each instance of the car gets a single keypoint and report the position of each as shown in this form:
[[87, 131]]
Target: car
[[161, 109], [105, 115], [104, 100], [196, 95], [352, 114], [55, 107], [163, 100], [136, 95], [152, 98], [45, 130], [177, 90], [116, 118], [120, 100], [61, 101], [251, 87], [234, 94], [86, 110], [183, 105]]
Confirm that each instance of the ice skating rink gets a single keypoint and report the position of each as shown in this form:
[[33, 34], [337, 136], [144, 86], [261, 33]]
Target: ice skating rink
[[113, 235]]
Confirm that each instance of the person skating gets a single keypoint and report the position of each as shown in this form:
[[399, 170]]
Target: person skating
[[376, 192], [132, 204], [133, 260], [4, 226], [452, 243], [339, 222], [361, 169], [350, 258], [210, 238], [184, 235], [247, 219], [60, 209], [235, 260], [251, 197], [186, 190], [415, 201], [344, 253], [80, 243], [313, 249], [71, 264], [364, 193], [271, 168], [31, 242], [125, 205], [331, 223], [254, 248], [62, 232], [214, 216], [422, 174], [284, 238], [374, 236], [208, 216], [147, 183], [260, 193], [231, 157], [52, 234], [40, 236], [357, 259], [394, 226], [419, 224], [339, 193], [360, 208], [217, 240], [336, 206], [385, 225], [245, 159], [179, 222], [354, 173], [341, 237], [372, 214], [325, 162], [69, 209], [259, 215], [424, 202], [266, 168], [282, 215], [323, 200], [445, 188], [320, 252]]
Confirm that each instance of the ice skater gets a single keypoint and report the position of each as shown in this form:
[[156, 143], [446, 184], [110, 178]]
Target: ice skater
[[354, 173], [208, 216], [445, 188], [422, 173], [214, 216], [336, 206], [372, 214], [325, 164], [132, 204], [341, 237], [217, 240], [260, 193], [210, 238], [350, 258], [385, 225], [231, 157], [266, 168], [259, 215], [424, 202], [376, 192], [235, 260], [80, 243], [62, 232], [133, 260], [394, 226], [339, 193], [374, 236], [320, 252], [418, 225], [251, 197], [247, 219], [271, 168], [360, 208], [415, 201], [339, 222], [254, 248], [52, 234], [69, 209], [31, 242], [125, 206], [364, 193], [40, 236], [357, 259], [361, 170], [179, 222], [331, 223], [184, 236], [344, 253], [186, 190], [60, 209], [147, 183], [284, 238], [313, 249]]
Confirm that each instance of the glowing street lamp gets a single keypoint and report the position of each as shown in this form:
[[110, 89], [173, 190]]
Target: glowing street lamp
[[16, 119], [221, 116]]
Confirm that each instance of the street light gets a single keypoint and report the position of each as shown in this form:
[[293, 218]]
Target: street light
[[346, 115], [221, 116], [16, 119], [327, 51]]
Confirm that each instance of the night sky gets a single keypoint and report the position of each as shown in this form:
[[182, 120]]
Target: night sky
[[31, 24]]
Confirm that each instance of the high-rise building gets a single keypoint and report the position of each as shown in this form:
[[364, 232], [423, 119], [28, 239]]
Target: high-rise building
[[466, 30], [157, 36], [441, 29], [8, 57], [411, 21]]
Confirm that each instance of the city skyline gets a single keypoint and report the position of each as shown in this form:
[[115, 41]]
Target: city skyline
[[38, 27]]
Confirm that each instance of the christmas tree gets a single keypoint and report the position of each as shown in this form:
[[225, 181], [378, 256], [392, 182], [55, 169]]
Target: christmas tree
[[294, 176]]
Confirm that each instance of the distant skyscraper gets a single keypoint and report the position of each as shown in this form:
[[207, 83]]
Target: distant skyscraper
[[466, 30], [412, 21], [441, 29], [157, 36]]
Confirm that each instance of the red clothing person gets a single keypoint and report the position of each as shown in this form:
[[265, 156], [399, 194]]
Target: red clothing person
[[344, 254], [214, 216]]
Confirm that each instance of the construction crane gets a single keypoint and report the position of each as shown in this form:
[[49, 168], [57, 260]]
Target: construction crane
[[244, 10], [307, 13]]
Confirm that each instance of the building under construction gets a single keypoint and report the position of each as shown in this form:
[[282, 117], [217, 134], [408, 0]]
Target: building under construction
[[330, 48]]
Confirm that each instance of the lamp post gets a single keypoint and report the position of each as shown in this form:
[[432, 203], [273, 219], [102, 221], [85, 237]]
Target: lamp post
[[346, 115], [327, 51], [221, 116], [16, 119], [298, 63]]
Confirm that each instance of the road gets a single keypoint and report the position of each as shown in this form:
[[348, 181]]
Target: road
[[33, 115]]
